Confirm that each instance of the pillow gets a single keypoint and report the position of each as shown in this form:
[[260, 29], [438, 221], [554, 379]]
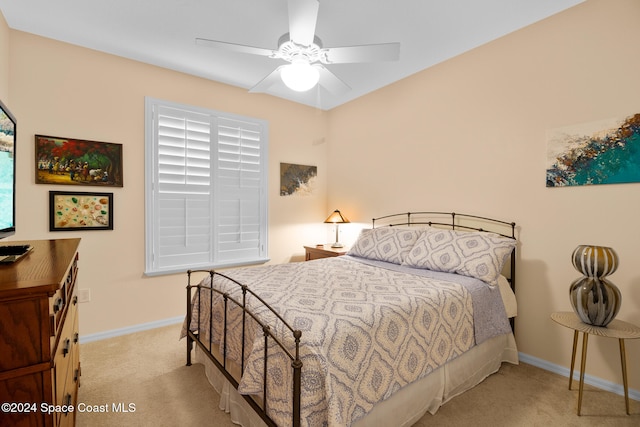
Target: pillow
[[475, 254], [384, 244]]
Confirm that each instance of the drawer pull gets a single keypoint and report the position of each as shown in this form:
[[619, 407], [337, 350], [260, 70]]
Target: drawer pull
[[66, 347], [67, 403], [76, 337], [75, 299], [76, 375], [57, 306]]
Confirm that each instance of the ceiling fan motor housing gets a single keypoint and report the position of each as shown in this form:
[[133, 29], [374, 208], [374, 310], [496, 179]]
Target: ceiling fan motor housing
[[293, 52]]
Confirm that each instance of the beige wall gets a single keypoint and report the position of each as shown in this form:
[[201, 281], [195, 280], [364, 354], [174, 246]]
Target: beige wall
[[62, 90], [4, 60], [469, 135]]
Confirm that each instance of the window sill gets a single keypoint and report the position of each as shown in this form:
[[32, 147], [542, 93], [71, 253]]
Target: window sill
[[183, 270]]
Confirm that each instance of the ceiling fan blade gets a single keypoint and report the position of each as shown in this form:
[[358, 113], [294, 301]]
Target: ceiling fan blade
[[364, 53], [331, 82], [235, 47], [264, 84], [303, 15]]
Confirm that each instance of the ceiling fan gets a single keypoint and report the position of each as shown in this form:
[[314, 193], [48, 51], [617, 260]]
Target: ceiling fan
[[303, 51]]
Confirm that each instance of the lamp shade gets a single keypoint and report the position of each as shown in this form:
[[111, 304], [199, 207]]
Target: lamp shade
[[336, 218], [300, 76]]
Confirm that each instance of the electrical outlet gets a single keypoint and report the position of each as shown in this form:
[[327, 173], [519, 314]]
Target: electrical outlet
[[84, 295]]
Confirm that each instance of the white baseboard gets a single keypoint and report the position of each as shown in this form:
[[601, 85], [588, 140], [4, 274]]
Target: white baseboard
[[130, 329], [588, 379]]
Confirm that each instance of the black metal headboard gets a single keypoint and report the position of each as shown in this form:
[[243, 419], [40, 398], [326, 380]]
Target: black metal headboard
[[456, 221], [452, 220]]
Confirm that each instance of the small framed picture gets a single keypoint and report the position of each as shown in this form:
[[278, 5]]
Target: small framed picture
[[73, 211]]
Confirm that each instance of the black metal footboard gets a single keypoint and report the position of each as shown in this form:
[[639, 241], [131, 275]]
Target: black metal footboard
[[194, 333]]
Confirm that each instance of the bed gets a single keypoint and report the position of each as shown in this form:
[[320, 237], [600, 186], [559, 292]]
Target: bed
[[420, 310]]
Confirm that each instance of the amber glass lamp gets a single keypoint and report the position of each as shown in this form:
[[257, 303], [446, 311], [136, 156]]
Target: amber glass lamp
[[336, 218]]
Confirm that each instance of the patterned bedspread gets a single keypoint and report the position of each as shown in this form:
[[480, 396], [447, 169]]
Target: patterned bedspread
[[367, 332]]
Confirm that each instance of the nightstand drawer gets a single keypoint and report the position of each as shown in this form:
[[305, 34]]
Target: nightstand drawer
[[322, 251]]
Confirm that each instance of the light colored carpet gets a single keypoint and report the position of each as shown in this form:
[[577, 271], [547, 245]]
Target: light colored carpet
[[147, 369]]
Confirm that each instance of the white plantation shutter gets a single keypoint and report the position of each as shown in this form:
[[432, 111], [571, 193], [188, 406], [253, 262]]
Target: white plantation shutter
[[206, 188], [239, 182]]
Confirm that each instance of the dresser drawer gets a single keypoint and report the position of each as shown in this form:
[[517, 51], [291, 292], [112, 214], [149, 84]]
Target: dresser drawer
[[57, 304], [30, 389], [59, 301], [21, 340], [66, 368], [62, 362]]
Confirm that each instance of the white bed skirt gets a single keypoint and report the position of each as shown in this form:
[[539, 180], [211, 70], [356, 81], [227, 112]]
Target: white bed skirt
[[407, 405]]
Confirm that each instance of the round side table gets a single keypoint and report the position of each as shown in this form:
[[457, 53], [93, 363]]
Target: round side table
[[615, 329]]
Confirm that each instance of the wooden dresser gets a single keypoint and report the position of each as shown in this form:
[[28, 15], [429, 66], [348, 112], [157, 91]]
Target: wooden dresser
[[39, 349]]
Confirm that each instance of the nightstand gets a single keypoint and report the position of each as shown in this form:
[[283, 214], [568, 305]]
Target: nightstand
[[322, 251], [615, 329]]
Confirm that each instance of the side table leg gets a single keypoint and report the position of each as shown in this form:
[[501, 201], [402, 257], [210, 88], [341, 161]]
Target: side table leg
[[573, 357], [623, 360], [583, 363]]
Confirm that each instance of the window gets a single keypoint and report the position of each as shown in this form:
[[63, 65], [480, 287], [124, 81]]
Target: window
[[206, 188]]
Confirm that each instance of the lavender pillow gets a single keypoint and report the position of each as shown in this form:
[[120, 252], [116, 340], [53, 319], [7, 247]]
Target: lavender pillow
[[385, 244], [475, 254]]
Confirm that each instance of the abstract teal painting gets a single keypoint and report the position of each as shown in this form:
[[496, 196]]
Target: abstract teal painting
[[604, 152]]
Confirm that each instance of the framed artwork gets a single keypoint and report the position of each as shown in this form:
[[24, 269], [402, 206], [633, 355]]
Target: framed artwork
[[297, 179], [72, 211], [602, 152], [78, 162]]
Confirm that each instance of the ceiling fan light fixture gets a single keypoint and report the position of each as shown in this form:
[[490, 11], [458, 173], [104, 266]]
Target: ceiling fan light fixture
[[300, 76]]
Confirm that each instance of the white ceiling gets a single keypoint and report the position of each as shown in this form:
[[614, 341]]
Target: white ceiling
[[163, 32]]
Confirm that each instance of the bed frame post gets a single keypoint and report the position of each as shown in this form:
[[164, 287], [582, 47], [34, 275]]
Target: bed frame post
[[189, 339], [512, 274], [513, 259], [297, 374]]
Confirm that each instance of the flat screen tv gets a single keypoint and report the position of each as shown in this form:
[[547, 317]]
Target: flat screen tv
[[8, 126]]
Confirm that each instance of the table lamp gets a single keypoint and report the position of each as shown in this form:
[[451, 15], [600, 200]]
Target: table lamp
[[336, 218]]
